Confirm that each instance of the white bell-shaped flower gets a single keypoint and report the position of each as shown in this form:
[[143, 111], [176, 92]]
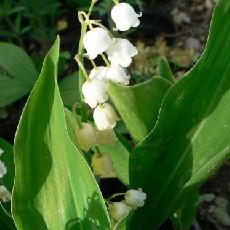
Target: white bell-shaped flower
[[121, 52], [98, 73], [102, 166], [118, 75], [118, 210], [96, 41], [5, 195], [105, 117], [125, 17], [86, 136], [94, 92], [3, 169], [135, 198]]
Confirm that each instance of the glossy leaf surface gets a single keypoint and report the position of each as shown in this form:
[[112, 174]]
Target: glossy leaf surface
[[54, 187], [192, 135]]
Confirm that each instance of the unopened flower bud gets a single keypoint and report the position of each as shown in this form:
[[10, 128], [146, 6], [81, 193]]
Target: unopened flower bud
[[135, 198], [96, 41], [121, 52], [94, 92], [118, 75], [98, 73], [118, 210], [5, 195], [105, 117], [102, 166], [105, 137], [86, 137], [125, 17]]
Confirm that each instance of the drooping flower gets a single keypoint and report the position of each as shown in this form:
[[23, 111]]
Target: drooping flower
[[86, 136], [105, 137], [98, 73], [102, 166], [3, 169], [135, 198], [96, 41], [121, 52], [118, 75], [94, 92], [5, 195], [124, 16], [118, 210], [105, 117]]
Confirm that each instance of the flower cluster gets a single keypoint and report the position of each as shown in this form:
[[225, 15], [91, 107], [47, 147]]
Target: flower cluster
[[5, 195], [117, 54], [133, 199]]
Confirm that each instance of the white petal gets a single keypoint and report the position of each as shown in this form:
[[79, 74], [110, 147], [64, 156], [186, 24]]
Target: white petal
[[135, 198], [118, 75], [124, 16], [98, 73], [96, 41], [121, 52], [118, 210], [94, 92], [105, 117]]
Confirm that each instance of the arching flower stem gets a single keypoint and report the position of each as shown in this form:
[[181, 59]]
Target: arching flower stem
[[105, 60], [91, 60], [84, 25], [80, 64], [116, 1], [116, 195]]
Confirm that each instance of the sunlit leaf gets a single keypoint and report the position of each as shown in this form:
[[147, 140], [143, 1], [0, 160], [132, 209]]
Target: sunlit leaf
[[54, 187], [192, 135]]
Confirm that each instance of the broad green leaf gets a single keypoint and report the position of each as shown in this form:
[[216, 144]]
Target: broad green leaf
[[165, 70], [72, 124], [139, 105], [54, 187], [69, 89], [187, 211], [192, 136], [19, 73]]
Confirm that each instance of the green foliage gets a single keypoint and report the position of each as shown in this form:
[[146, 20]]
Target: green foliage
[[68, 89], [17, 73], [54, 187], [185, 147], [31, 19], [165, 71], [139, 105]]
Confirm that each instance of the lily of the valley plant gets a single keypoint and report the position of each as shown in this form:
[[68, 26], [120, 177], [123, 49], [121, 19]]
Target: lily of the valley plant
[[161, 138]]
